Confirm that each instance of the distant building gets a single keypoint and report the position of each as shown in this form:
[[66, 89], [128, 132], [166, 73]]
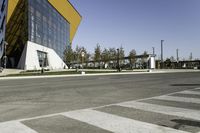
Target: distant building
[[38, 32]]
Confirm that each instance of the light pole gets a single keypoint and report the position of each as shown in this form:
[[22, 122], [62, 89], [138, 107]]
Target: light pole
[[5, 57], [82, 56], [153, 50], [162, 54], [177, 55], [118, 67]]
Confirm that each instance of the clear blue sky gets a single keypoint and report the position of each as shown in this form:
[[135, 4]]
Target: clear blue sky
[[140, 25]]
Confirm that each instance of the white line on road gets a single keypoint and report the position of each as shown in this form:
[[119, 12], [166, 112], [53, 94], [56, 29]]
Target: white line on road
[[178, 99], [17, 122], [181, 112], [190, 92], [117, 124], [15, 127]]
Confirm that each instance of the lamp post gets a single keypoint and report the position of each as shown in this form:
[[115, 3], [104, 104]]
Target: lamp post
[[177, 55], [82, 56], [118, 65], [153, 50], [5, 57], [162, 54]]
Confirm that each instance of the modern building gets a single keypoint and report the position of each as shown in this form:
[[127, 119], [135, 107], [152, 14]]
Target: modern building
[[3, 11], [38, 32]]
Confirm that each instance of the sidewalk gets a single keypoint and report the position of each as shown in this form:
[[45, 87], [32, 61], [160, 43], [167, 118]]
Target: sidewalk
[[10, 71], [145, 71]]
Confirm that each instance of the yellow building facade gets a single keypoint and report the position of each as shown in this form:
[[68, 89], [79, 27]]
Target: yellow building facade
[[64, 7], [38, 32]]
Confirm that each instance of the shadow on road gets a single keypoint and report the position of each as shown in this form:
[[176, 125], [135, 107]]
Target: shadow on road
[[185, 84], [181, 122]]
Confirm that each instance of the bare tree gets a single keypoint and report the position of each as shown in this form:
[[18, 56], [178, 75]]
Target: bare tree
[[105, 56], [113, 57], [168, 63], [132, 57], [144, 59], [78, 54], [112, 53], [172, 59], [121, 55], [97, 54], [68, 56]]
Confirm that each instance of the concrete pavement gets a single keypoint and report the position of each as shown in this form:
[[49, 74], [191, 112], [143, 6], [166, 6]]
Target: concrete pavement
[[103, 104]]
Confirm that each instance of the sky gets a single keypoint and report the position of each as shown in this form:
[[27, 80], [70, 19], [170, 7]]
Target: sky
[[140, 25]]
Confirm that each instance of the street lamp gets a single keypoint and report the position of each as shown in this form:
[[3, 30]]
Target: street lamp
[[118, 65], [177, 57], [5, 57], [153, 50], [162, 53], [82, 56]]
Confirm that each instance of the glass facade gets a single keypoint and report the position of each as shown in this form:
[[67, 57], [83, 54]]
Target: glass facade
[[3, 9], [47, 27], [43, 60]]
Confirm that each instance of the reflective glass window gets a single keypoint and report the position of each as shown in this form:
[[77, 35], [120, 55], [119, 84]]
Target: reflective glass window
[[47, 27]]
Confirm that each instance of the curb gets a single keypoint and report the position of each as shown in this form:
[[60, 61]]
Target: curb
[[99, 74]]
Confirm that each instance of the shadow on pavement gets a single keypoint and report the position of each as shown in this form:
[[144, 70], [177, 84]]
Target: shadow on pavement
[[181, 122], [185, 84]]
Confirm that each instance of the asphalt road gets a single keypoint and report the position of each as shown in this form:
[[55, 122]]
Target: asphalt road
[[54, 105]]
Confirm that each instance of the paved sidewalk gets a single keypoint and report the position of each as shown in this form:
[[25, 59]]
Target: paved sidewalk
[[144, 71], [10, 71]]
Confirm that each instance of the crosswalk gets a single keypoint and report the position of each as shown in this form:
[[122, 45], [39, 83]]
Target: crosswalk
[[118, 123], [15, 127]]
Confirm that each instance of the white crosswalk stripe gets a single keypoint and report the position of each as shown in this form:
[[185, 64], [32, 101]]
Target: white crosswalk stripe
[[178, 99], [15, 127], [181, 112], [197, 89], [117, 124], [120, 124], [190, 92]]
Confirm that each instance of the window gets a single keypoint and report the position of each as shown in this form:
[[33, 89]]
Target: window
[[2, 24], [42, 57], [3, 6], [1, 45], [47, 27]]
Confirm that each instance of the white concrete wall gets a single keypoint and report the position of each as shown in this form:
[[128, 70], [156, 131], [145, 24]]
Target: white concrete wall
[[29, 59], [152, 63]]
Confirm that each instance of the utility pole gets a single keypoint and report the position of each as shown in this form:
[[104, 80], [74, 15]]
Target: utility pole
[[177, 55], [191, 56], [118, 66], [153, 50], [162, 54]]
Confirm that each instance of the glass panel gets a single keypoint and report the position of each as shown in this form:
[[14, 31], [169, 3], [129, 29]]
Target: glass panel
[[42, 57], [47, 27]]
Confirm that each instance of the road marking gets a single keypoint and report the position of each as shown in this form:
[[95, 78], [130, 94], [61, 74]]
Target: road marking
[[15, 127], [55, 114], [116, 123], [17, 122], [178, 99], [190, 92], [181, 112], [197, 89]]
